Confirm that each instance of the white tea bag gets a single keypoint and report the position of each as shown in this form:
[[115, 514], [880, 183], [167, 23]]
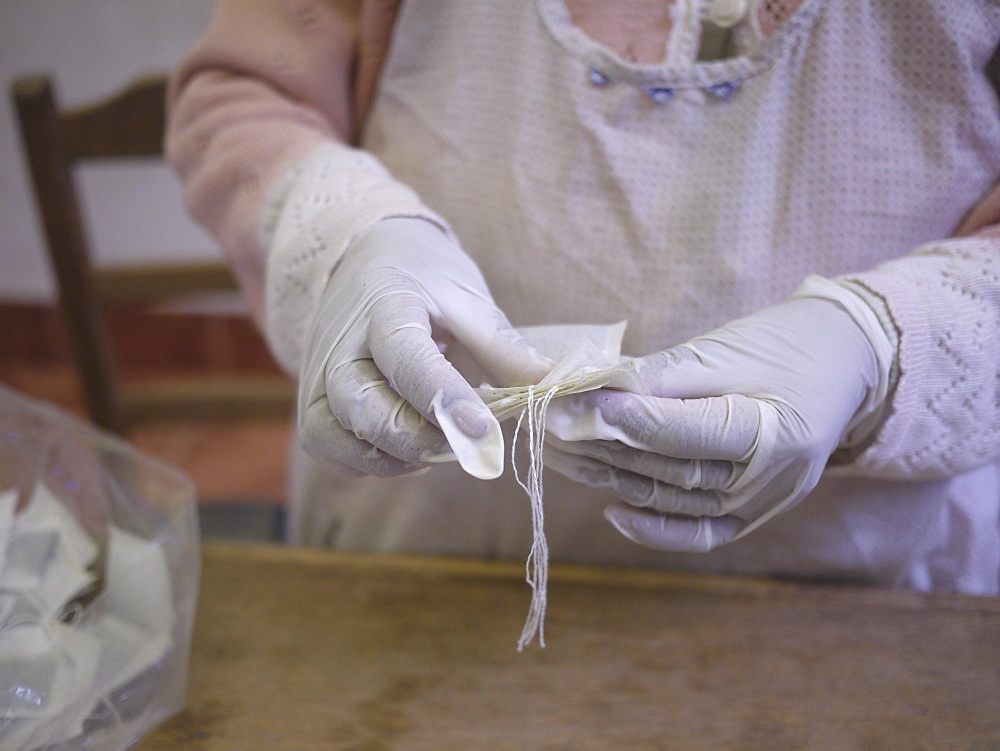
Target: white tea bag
[[134, 625], [47, 555], [46, 511], [586, 358]]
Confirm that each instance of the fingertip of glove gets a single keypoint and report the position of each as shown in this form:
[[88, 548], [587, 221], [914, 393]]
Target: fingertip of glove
[[623, 519], [673, 532], [482, 459], [472, 420], [474, 435]]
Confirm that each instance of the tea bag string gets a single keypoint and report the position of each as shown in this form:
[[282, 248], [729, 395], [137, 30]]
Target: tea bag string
[[537, 565]]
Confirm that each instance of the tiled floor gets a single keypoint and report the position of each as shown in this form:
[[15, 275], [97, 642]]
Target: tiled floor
[[238, 468]]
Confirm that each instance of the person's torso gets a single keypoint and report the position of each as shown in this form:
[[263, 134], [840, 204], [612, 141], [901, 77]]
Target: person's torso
[[680, 196]]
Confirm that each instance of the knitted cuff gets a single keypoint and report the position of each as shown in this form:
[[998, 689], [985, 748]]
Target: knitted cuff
[[945, 299], [311, 217]]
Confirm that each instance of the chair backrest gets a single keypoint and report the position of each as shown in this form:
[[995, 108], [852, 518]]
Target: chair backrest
[[126, 126]]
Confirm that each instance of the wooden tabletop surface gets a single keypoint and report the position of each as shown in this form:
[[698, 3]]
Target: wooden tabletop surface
[[298, 649]]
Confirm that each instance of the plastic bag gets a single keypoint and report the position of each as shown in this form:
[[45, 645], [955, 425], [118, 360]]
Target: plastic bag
[[99, 564]]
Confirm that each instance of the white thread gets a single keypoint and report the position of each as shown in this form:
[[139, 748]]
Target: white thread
[[586, 358], [537, 565]]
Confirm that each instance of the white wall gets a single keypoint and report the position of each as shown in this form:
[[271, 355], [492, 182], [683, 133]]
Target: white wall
[[92, 47]]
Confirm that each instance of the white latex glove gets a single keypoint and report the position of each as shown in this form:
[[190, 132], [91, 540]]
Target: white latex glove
[[738, 424], [376, 394]]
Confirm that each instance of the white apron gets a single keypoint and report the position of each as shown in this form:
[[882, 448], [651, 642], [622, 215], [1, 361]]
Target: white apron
[[679, 197]]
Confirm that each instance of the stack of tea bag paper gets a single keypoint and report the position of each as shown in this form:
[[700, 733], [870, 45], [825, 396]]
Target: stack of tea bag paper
[[77, 622]]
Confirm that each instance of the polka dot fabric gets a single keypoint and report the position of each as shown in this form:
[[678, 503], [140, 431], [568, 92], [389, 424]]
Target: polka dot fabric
[[852, 134]]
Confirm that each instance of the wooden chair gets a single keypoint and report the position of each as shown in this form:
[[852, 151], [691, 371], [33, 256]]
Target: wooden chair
[[126, 126]]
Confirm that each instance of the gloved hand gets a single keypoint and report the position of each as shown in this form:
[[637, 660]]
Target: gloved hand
[[376, 394], [737, 424]]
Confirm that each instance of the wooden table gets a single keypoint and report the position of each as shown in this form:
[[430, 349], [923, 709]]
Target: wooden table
[[297, 649]]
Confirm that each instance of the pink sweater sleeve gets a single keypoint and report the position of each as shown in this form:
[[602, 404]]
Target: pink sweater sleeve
[[268, 83]]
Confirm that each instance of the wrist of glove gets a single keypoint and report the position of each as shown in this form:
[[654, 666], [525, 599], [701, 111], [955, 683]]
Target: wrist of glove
[[736, 425], [376, 394], [311, 217]]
